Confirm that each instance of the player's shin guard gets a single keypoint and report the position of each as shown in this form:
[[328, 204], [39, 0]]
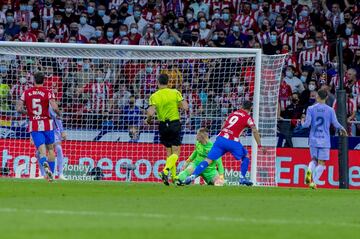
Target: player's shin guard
[[170, 163], [200, 168], [41, 167], [59, 159], [312, 166], [244, 166]]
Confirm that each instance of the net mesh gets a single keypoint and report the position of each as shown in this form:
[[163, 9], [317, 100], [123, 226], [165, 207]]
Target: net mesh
[[103, 94]]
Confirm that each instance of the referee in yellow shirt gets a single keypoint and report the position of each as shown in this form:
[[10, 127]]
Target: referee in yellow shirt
[[165, 102]]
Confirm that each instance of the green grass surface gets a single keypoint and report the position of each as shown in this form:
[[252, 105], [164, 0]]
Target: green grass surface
[[37, 209]]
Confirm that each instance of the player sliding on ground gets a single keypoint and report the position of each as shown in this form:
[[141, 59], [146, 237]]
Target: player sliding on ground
[[37, 100], [60, 135], [319, 117], [228, 141], [214, 173], [165, 102]]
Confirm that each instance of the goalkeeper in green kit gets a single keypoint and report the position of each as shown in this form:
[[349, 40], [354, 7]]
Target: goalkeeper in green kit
[[214, 173]]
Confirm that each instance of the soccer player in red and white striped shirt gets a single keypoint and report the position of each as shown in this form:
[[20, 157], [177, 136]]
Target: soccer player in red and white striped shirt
[[37, 100]]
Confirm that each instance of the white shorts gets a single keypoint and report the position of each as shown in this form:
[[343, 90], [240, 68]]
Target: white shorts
[[320, 153]]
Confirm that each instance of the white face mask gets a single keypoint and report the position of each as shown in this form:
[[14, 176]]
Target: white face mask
[[1, 31], [312, 87]]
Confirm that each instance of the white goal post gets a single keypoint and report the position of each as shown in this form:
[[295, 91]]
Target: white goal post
[[95, 84]]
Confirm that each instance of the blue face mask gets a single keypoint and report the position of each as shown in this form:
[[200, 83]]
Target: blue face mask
[[110, 34], [101, 13], [10, 19], [82, 20], [30, 8], [289, 29], [149, 69], [273, 38], [57, 21], [254, 6], [123, 33], [236, 29], [125, 42], [303, 79], [202, 25], [23, 8], [137, 14], [90, 10], [304, 13], [226, 16], [34, 25], [157, 26], [98, 33]]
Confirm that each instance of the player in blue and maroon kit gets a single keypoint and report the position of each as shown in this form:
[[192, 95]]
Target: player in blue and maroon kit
[[37, 101], [319, 117], [228, 140]]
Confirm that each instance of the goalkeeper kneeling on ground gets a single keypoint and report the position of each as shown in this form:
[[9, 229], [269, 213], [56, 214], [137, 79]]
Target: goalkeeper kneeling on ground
[[214, 173]]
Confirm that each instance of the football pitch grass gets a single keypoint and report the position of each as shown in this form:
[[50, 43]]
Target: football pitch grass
[[37, 209]]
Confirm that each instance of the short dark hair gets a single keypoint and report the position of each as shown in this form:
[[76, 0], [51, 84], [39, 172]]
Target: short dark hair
[[39, 78], [247, 105], [322, 94], [163, 79]]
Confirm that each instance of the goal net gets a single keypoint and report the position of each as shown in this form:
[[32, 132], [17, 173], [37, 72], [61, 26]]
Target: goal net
[[103, 92]]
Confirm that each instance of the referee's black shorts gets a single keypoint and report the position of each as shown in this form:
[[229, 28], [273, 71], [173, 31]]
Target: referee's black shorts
[[169, 132]]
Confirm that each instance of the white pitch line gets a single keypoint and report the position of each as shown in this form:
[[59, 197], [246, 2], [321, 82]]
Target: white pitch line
[[243, 220]]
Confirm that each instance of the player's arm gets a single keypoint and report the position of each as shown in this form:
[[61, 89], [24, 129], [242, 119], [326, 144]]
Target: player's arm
[[336, 124], [184, 105], [20, 107], [150, 112], [220, 168], [256, 135], [307, 122], [55, 107]]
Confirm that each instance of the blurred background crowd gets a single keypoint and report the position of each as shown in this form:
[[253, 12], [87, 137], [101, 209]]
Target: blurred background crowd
[[114, 92]]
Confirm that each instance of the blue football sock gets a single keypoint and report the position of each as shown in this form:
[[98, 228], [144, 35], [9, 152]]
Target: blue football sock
[[42, 160], [37, 155], [52, 166], [244, 166], [200, 168]]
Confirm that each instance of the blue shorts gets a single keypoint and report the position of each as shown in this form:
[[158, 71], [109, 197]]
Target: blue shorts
[[43, 137], [223, 145], [320, 153]]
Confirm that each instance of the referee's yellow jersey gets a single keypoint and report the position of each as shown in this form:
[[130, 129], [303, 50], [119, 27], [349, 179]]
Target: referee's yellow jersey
[[166, 102]]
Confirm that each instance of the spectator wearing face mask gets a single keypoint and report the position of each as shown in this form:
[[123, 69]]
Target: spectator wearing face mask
[[11, 27], [304, 21], [85, 29], [150, 11], [350, 109], [353, 82], [21, 85], [308, 96], [123, 32], [134, 36], [335, 15], [290, 36], [159, 31], [101, 11], [132, 114], [236, 35], [99, 35], [263, 36], [110, 35], [2, 32], [273, 47], [93, 17], [221, 39], [294, 82], [51, 36], [149, 38], [69, 14], [137, 18]]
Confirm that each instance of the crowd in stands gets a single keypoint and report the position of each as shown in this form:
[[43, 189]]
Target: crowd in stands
[[305, 30]]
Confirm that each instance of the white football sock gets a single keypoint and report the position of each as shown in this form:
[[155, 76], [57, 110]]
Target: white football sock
[[318, 172], [312, 166]]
